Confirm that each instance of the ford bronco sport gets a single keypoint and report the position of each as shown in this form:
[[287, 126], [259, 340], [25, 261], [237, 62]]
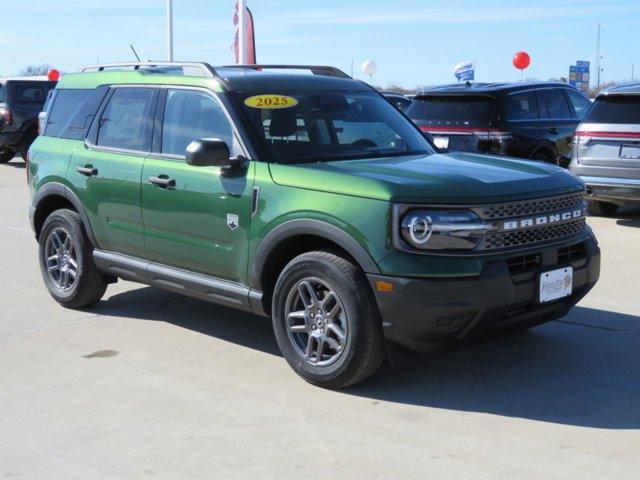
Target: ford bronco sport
[[304, 196]]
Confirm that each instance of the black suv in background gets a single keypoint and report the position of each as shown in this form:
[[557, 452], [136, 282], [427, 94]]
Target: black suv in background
[[399, 101], [527, 120], [21, 100]]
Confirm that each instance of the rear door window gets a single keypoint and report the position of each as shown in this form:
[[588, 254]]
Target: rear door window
[[522, 106], [126, 122], [3, 93], [580, 104], [461, 109], [615, 109], [555, 104]]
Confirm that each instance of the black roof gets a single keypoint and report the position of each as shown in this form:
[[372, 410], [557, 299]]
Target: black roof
[[252, 80], [488, 88]]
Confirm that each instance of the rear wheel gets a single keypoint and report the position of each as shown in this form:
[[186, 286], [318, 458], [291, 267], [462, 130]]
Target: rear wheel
[[6, 154], [66, 261], [601, 209], [542, 156], [326, 321], [26, 143]]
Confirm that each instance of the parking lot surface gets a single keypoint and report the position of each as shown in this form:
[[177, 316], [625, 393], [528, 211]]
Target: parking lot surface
[[152, 385]]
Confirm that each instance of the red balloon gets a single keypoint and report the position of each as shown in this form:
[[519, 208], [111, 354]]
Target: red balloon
[[521, 60], [53, 75]]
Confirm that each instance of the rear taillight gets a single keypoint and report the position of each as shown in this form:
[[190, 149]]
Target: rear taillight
[[42, 118], [6, 117], [580, 139]]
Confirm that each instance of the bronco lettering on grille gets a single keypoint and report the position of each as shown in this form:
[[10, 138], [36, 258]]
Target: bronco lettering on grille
[[542, 219]]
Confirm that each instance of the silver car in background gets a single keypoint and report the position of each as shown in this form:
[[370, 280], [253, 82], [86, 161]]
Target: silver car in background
[[606, 150]]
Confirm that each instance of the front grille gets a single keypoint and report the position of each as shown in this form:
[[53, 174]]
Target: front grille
[[530, 236], [531, 207]]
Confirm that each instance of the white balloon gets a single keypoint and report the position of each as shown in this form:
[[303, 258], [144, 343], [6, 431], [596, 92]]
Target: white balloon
[[369, 67]]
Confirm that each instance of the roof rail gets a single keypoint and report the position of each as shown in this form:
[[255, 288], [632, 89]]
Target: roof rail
[[201, 69], [315, 69]]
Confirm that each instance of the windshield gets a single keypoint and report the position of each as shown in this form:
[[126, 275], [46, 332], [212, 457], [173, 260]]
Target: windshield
[[456, 108], [330, 125]]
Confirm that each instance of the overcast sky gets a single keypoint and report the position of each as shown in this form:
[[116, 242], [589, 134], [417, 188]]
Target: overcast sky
[[413, 42]]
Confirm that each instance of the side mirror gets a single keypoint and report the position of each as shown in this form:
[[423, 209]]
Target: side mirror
[[209, 152]]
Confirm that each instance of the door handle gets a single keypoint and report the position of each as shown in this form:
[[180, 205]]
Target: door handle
[[162, 181], [553, 130], [88, 170]]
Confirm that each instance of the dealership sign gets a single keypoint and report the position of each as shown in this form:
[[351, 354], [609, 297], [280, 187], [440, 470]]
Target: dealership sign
[[465, 71], [579, 75]]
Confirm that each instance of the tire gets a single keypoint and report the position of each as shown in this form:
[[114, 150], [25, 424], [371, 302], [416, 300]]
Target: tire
[[24, 146], [601, 209], [63, 236], [541, 156], [344, 315], [6, 154]]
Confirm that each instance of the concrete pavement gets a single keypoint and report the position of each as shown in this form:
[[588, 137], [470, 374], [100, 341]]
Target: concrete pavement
[[151, 385]]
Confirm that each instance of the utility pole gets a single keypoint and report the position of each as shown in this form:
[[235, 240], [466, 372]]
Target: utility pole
[[598, 58], [170, 30]]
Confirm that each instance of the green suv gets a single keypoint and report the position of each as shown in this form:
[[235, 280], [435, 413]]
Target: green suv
[[300, 194]]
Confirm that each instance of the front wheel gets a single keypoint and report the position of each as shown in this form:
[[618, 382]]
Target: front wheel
[[66, 261], [6, 154], [326, 321]]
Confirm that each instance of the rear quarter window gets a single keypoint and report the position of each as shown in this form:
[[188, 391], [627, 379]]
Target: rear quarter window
[[3, 93], [580, 104], [67, 118], [615, 109]]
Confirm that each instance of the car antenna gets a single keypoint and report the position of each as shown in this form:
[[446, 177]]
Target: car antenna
[[134, 52]]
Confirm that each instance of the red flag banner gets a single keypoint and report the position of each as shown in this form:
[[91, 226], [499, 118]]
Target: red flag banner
[[249, 54]]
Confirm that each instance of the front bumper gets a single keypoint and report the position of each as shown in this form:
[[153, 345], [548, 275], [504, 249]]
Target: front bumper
[[428, 315]]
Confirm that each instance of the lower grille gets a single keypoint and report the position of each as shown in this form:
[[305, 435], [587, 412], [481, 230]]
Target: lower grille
[[533, 235], [524, 263], [574, 252]]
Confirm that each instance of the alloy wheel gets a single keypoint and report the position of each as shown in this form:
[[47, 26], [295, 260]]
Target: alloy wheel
[[316, 321], [61, 260]]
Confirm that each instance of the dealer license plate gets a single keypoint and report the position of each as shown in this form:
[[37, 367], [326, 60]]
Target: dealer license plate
[[441, 142], [556, 284]]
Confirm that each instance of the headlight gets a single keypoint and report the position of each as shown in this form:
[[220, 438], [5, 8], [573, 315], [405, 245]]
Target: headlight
[[442, 229]]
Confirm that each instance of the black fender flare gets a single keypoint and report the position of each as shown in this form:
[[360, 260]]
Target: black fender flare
[[57, 189], [305, 226]]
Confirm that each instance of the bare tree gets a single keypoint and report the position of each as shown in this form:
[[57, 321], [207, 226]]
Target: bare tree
[[34, 70]]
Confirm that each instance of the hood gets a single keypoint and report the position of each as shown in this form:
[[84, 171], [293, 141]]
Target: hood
[[453, 178]]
